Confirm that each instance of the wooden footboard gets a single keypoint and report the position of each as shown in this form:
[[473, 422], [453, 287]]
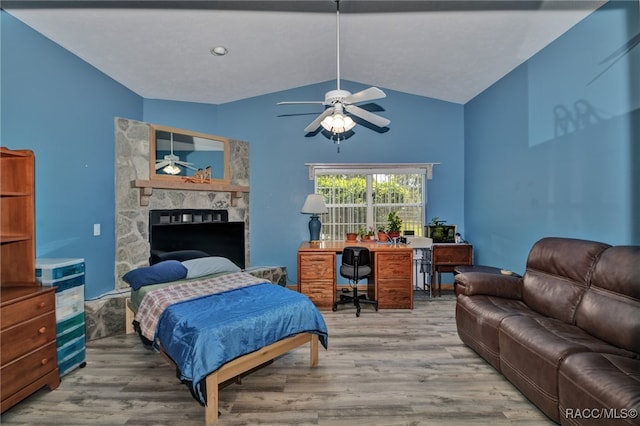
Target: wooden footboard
[[245, 363], [240, 365]]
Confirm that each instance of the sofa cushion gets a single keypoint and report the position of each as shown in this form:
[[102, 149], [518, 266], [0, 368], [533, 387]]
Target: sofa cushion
[[590, 383], [557, 275], [610, 308], [478, 319], [531, 350]]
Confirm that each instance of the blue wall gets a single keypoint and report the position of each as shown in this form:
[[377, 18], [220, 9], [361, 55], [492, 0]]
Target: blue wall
[[63, 109], [552, 148], [523, 177]]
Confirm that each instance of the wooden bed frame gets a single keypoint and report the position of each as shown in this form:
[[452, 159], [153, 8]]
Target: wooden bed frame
[[239, 365]]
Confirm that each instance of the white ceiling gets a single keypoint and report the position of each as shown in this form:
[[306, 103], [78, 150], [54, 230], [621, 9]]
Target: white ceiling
[[449, 50]]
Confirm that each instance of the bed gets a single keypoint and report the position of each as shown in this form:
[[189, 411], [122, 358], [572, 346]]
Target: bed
[[216, 323]]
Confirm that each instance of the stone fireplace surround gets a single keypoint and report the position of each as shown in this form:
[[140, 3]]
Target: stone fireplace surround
[[105, 316]]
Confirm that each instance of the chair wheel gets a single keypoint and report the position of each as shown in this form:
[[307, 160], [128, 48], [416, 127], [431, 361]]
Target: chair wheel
[[335, 308], [358, 312]]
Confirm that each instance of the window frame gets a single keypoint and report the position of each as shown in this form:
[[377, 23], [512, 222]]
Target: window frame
[[370, 169]]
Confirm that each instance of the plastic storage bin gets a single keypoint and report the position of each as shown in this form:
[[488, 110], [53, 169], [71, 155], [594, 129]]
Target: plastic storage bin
[[67, 275]]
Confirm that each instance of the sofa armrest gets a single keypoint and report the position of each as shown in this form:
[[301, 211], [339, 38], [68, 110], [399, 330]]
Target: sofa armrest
[[489, 284]]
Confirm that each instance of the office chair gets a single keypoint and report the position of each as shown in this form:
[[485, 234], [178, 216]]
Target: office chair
[[356, 264]]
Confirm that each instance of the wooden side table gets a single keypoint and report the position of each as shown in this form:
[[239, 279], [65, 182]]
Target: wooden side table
[[446, 257]]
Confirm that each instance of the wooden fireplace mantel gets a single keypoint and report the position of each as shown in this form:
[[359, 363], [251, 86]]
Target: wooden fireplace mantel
[[147, 186]]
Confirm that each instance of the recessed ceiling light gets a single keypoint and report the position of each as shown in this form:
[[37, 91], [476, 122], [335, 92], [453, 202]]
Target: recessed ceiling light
[[219, 51]]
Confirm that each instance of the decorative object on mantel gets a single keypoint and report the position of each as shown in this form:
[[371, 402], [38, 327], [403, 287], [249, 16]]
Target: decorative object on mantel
[[340, 102], [200, 176], [187, 153], [314, 205]]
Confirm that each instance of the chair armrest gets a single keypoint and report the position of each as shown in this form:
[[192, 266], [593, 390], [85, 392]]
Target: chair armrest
[[489, 284]]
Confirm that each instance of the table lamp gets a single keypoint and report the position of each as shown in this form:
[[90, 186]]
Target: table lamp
[[314, 205]]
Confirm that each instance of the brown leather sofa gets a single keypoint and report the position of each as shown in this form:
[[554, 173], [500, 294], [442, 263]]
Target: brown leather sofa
[[566, 334]]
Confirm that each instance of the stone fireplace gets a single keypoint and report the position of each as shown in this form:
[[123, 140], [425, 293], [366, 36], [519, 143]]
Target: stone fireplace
[[132, 216], [133, 203]]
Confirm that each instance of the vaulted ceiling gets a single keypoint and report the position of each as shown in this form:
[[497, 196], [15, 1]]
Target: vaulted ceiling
[[449, 50]]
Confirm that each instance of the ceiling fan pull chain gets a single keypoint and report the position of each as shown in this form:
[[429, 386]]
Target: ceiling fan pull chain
[[338, 41]]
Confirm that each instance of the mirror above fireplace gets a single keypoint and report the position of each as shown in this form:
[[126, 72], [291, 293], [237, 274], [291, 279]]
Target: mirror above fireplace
[[185, 156]]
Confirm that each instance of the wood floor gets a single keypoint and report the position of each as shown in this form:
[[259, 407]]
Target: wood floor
[[392, 367]]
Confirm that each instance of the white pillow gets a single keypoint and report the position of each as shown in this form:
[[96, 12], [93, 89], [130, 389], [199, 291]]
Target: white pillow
[[209, 265]]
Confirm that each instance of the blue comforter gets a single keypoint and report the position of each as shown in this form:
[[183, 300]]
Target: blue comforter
[[201, 335]]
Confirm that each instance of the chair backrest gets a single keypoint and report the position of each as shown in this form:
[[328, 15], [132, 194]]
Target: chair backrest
[[350, 253], [349, 256]]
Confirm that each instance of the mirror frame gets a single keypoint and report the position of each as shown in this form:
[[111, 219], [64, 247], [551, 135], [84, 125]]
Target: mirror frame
[[153, 128]]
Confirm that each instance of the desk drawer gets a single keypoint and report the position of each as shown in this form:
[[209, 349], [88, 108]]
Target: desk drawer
[[23, 310], [25, 337], [321, 293], [27, 369], [316, 266], [395, 294], [393, 265]]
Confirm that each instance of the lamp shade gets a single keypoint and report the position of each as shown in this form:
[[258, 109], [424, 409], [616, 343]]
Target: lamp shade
[[314, 204], [338, 123]]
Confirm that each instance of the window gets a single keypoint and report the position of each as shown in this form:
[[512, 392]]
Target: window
[[360, 197]]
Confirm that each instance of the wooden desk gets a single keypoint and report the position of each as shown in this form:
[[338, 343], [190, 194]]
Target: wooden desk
[[445, 257], [391, 273]]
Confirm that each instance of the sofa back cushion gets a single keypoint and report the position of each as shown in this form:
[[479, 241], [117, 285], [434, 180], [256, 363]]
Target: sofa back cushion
[[557, 275], [610, 308]]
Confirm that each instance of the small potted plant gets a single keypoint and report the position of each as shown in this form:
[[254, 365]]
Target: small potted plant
[[394, 224], [371, 234], [382, 234], [352, 236], [365, 235]]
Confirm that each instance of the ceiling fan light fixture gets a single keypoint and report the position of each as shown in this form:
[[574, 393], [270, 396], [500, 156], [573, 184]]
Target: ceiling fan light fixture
[[338, 123], [171, 169]]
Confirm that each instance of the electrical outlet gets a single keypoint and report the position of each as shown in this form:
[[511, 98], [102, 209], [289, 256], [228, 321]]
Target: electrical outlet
[[96, 229]]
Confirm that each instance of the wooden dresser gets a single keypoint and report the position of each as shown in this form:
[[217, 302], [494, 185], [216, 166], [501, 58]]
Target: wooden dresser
[[27, 310]]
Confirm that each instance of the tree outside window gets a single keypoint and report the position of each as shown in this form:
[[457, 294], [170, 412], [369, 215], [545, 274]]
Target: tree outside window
[[358, 202]]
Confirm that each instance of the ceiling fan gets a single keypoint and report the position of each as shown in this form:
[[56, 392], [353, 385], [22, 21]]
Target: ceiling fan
[[340, 102], [169, 164]]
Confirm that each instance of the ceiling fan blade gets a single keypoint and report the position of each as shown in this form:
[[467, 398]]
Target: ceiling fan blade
[[189, 166], [300, 102], [185, 164], [367, 116], [369, 94], [316, 123], [162, 164]]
